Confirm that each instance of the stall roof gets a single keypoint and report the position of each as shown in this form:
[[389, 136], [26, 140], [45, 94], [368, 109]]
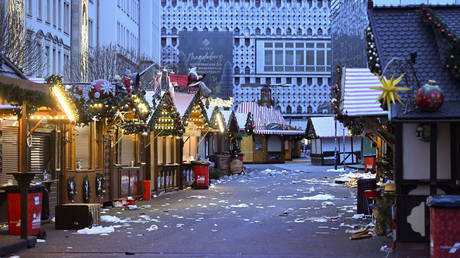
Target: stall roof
[[178, 80], [323, 127], [226, 114], [264, 116], [241, 119], [183, 101], [400, 32], [358, 97]]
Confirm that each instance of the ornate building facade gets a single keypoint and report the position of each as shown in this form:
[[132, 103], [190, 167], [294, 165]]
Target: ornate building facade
[[274, 42]]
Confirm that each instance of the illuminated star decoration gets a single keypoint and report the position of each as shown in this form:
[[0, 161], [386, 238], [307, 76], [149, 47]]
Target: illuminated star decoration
[[389, 89]]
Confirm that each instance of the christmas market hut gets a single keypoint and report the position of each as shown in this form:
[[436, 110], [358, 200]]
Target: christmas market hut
[[106, 156], [360, 111], [426, 122], [266, 134], [325, 139], [33, 117]]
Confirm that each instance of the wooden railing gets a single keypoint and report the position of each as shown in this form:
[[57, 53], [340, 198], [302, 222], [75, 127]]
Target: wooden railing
[[188, 174], [168, 177], [127, 181]]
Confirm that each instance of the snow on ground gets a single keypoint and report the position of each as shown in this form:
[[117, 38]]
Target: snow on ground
[[96, 230]]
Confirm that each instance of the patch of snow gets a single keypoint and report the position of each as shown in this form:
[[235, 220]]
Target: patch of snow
[[96, 230], [112, 219], [341, 170], [358, 216], [241, 205], [196, 197], [318, 197], [327, 203]]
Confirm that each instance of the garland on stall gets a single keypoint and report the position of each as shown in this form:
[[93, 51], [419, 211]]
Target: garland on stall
[[373, 58], [86, 189], [133, 109], [71, 189], [196, 100], [249, 126], [99, 185], [452, 54], [166, 119]]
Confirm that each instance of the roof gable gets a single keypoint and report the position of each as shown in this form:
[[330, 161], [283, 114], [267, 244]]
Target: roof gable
[[400, 31]]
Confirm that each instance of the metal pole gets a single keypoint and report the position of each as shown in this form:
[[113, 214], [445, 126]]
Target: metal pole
[[335, 143], [344, 146]]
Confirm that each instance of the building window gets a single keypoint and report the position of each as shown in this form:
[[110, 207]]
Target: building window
[[54, 12], [90, 33], [40, 9], [66, 17], [48, 11], [54, 61], [59, 18], [48, 61], [59, 67], [29, 7], [293, 56], [288, 110], [299, 109]]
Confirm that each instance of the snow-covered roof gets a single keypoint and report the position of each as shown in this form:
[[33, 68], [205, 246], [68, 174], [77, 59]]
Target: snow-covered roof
[[241, 119], [358, 97], [182, 101], [324, 127], [226, 116]]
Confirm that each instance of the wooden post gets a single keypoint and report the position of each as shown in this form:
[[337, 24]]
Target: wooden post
[[22, 166], [154, 154], [433, 158], [64, 156], [180, 153]]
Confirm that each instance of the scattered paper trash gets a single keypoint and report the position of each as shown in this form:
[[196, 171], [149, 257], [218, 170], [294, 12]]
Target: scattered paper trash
[[41, 240], [152, 228]]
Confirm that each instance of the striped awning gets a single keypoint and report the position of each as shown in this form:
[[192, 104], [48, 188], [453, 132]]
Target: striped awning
[[358, 97], [264, 116]]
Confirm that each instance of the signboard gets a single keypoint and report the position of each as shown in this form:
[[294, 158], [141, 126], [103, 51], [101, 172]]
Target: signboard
[[212, 54]]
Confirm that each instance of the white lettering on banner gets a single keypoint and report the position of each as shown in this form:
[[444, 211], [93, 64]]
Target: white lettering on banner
[[453, 249], [37, 200], [201, 179]]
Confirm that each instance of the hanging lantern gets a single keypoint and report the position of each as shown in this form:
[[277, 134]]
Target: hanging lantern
[[429, 97]]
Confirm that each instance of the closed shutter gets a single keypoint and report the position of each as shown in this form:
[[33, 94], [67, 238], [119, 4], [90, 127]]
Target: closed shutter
[[39, 152], [9, 152]]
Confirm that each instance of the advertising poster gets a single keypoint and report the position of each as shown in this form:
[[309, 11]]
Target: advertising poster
[[212, 54]]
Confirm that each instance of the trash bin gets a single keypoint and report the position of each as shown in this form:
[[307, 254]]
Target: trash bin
[[363, 185], [34, 208], [369, 162], [147, 193], [240, 156], [201, 169], [444, 225]]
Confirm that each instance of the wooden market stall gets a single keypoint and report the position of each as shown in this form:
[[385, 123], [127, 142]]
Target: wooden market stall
[[166, 147], [321, 132], [105, 154], [32, 118], [264, 142], [427, 121]]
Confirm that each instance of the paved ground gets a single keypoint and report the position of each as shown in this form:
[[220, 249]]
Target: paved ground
[[263, 213]]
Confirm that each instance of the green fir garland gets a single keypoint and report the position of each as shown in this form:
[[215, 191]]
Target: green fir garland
[[452, 55], [161, 127]]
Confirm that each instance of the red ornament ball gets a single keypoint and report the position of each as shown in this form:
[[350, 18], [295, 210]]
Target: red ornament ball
[[429, 97], [449, 35], [447, 66], [136, 115], [429, 18], [101, 89], [455, 67], [443, 30], [438, 25], [80, 90], [428, 14]]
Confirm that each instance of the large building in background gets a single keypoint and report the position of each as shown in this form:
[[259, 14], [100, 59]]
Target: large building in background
[[274, 42], [69, 29]]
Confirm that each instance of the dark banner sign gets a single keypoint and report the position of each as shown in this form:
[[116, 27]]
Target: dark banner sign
[[212, 54]]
